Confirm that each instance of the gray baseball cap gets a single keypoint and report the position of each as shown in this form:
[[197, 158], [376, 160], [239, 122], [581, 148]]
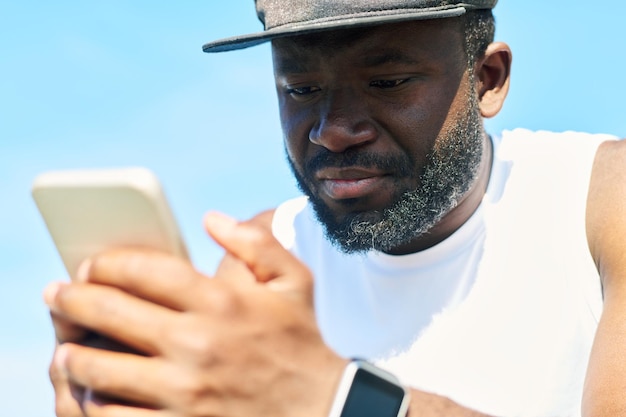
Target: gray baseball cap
[[283, 18]]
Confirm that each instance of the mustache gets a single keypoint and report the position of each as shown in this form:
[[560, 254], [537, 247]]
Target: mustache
[[399, 165]]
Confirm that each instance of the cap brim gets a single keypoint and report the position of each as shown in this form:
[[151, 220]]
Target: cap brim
[[246, 41]]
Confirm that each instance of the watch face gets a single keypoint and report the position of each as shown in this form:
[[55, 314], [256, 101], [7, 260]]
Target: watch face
[[372, 396]]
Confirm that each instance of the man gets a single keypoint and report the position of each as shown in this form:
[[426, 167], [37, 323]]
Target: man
[[465, 264]]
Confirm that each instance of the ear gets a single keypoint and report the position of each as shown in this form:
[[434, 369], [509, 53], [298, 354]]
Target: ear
[[493, 73]]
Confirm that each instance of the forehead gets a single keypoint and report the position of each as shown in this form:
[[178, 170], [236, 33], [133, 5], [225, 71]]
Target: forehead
[[416, 38]]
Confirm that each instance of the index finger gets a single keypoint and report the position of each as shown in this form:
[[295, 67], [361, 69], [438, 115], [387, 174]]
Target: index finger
[[263, 255], [151, 275]]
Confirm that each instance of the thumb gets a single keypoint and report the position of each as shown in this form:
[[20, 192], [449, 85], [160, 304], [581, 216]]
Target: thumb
[[256, 247]]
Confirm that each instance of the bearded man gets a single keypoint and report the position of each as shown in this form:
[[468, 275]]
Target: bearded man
[[477, 270]]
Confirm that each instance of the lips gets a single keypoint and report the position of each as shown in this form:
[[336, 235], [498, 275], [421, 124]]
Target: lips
[[350, 183]]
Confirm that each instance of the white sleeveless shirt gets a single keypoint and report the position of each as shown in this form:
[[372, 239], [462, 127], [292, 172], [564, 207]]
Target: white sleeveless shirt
[[500, 316]]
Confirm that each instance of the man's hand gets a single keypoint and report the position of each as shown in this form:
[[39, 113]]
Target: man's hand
[[209, 346], [70, 396]]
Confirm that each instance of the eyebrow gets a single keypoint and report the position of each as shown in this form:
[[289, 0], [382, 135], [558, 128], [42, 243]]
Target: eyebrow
[[290, 66], [297, 66], [295, 63], [387, 57]]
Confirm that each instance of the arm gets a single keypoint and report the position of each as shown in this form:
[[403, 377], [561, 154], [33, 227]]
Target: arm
[[424, 404], [210, 346], [606, 230]]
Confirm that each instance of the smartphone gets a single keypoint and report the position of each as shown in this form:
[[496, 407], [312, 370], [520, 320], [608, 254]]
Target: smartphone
[[88, 211]]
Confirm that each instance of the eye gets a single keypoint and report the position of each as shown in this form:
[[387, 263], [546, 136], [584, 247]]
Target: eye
[[302, 92], [388, 84]]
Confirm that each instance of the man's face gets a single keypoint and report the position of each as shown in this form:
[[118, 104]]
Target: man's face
[[382, 128]]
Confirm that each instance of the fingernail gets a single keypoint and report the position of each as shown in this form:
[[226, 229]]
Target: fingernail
[[219, 222], [50, 292], [82, 274]]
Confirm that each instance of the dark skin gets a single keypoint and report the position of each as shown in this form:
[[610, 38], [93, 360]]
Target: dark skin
[[606, 233], [381, 92], [198, 336], [298, 357]]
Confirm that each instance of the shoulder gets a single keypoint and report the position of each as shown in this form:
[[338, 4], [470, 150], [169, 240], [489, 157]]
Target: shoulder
[[606, 229], [606, 206], [518, 140], [611, 155]]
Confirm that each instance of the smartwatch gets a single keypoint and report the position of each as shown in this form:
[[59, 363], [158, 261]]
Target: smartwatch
[[367, 391]]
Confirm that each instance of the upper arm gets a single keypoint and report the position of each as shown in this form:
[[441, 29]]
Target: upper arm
[[606, 210], [606, 233]]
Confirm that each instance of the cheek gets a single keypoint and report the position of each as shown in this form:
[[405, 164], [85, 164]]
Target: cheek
[[296, 129], [415, 124]]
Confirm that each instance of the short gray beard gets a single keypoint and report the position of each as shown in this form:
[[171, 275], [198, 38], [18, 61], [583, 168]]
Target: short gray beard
[[450, 172]]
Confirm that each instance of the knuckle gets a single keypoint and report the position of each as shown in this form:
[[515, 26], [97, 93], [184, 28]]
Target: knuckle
[[56, 375], [257, 234], [225, 301], [96, 266], [77, 362], [135, 263], [202, 348], [192, 342], [108, 307], [194, 393], [64, 299], [98, 380], [115, 263], [221, 298], [306, 275]]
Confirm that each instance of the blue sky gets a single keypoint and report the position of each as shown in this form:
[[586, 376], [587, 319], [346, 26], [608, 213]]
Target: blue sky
[[120, 83]]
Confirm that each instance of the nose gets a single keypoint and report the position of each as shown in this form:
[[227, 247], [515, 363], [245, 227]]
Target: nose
[[343, 123]]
